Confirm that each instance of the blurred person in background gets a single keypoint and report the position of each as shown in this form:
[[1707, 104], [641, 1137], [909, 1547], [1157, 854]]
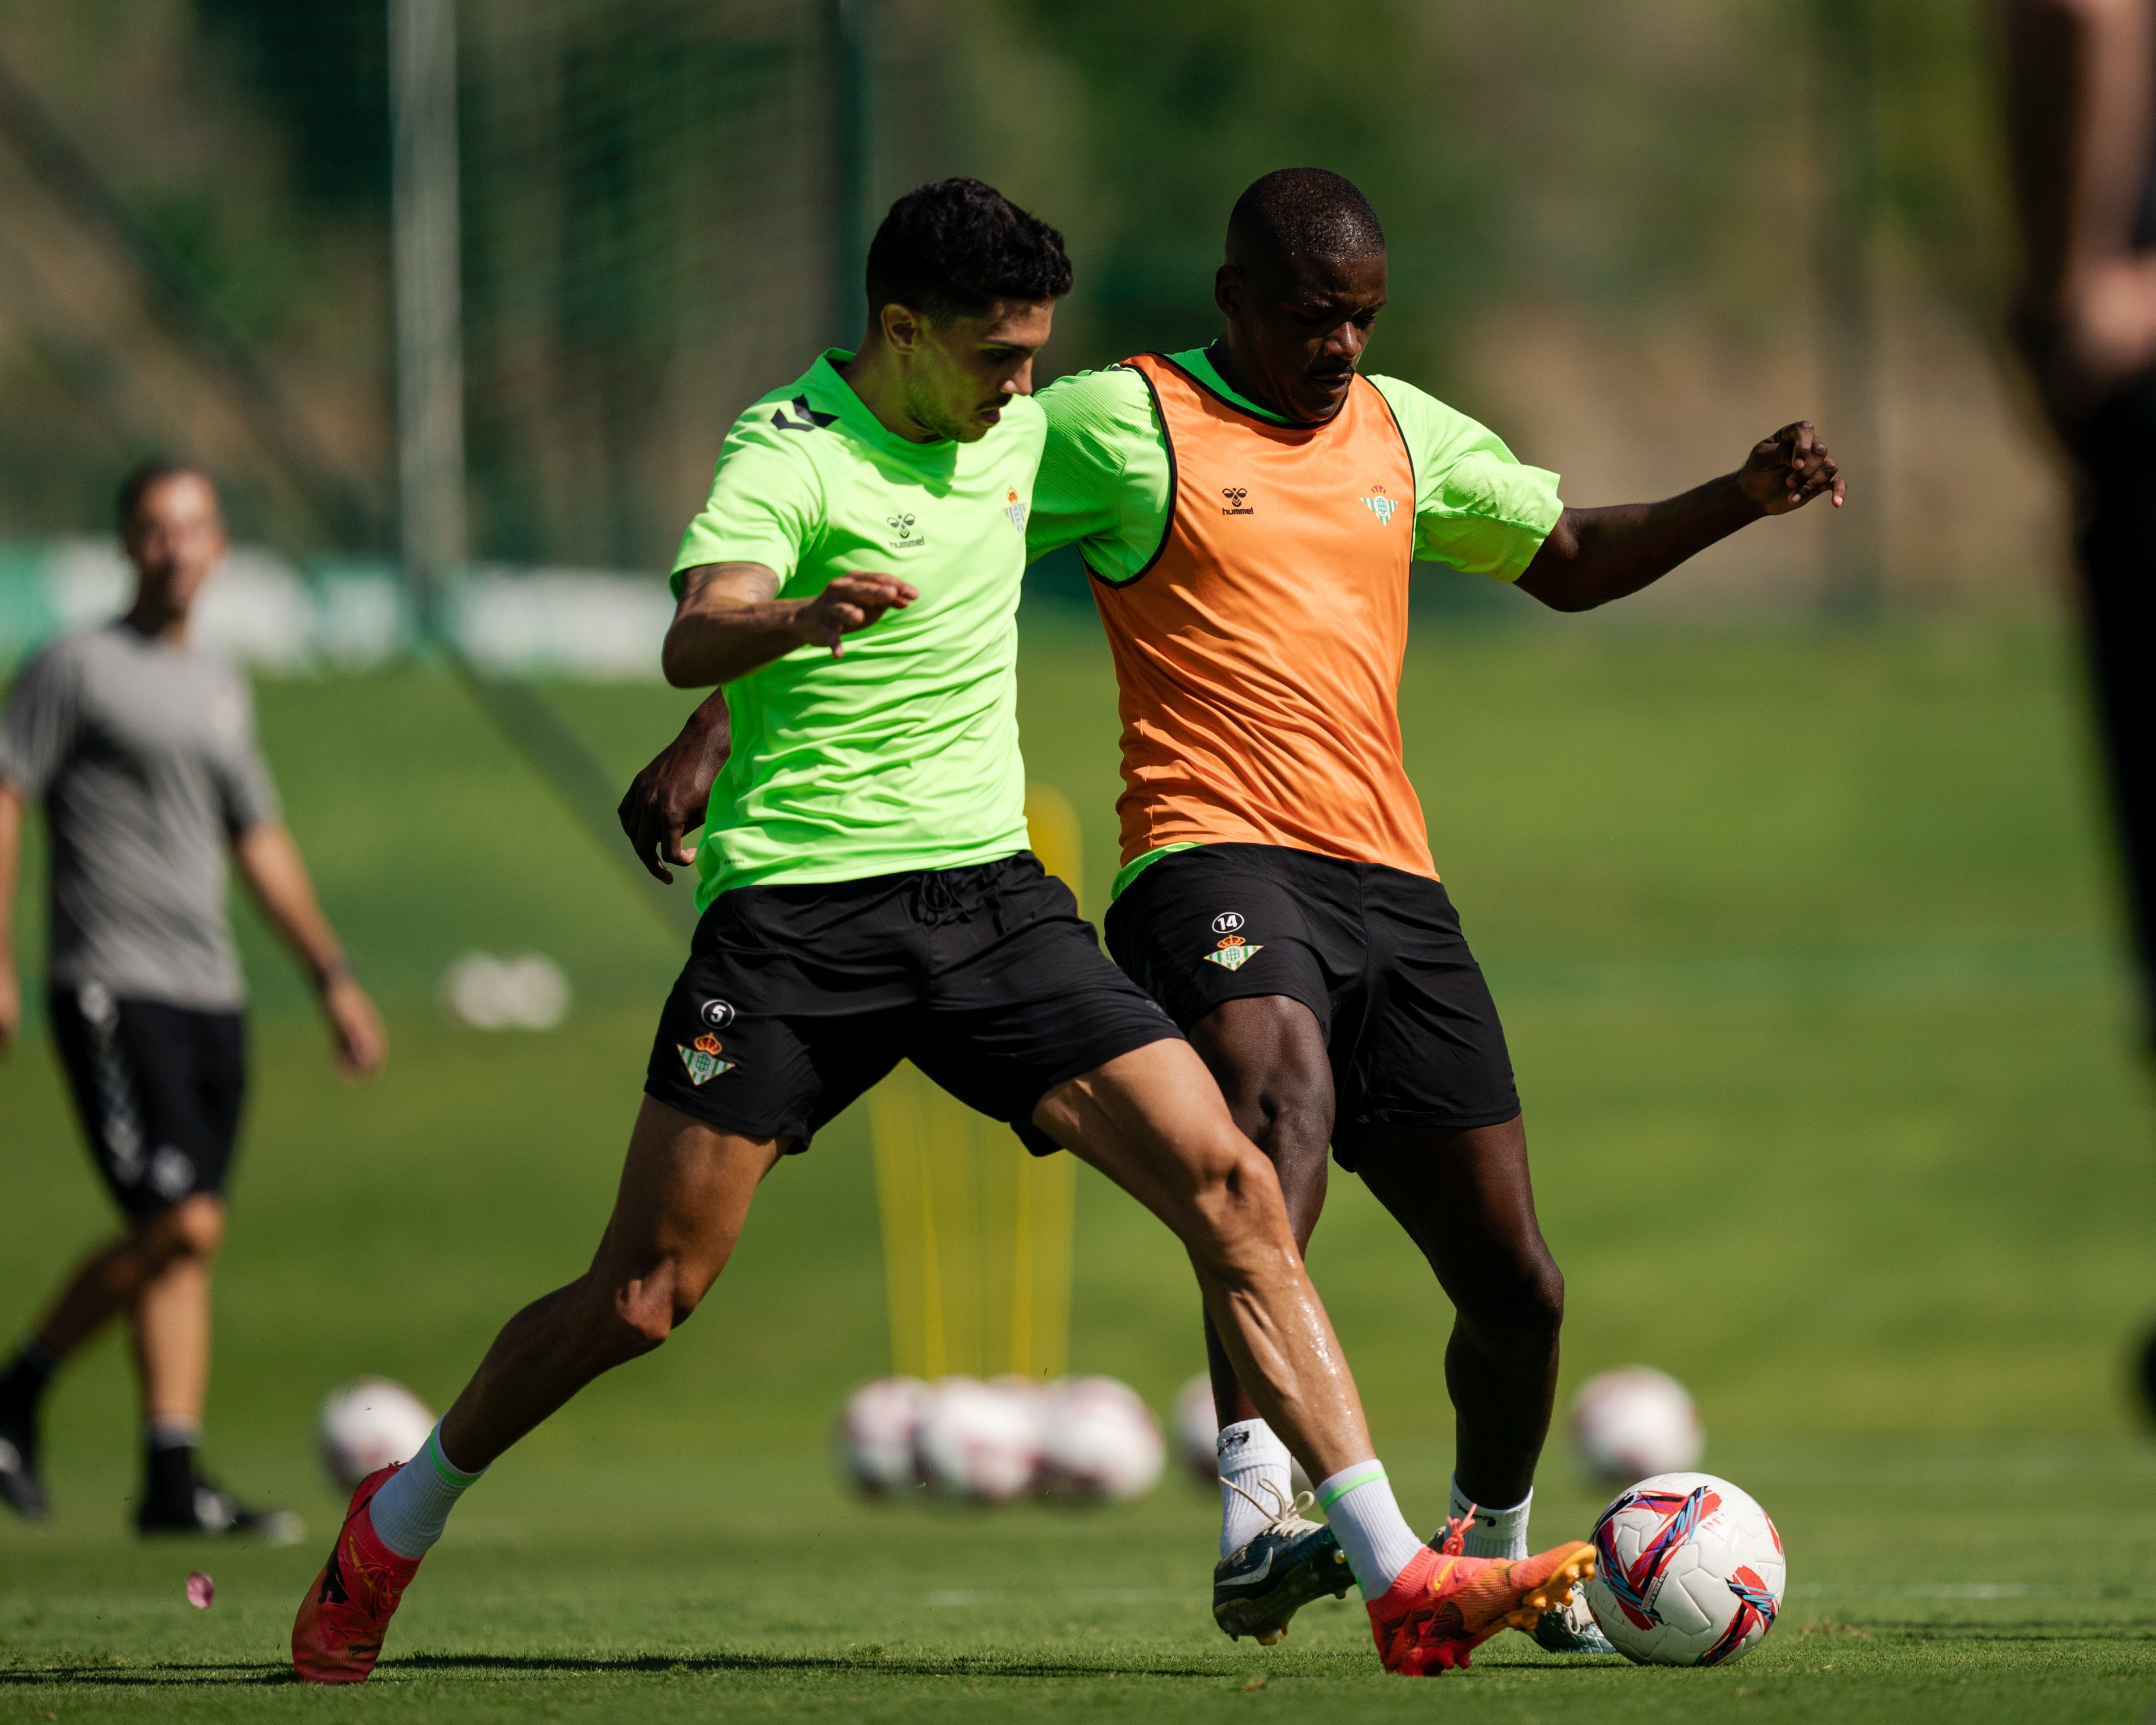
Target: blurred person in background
[[142, 747], [2080, 111], [2082, 122]]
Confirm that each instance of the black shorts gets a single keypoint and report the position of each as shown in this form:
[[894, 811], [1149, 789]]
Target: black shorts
[[1375, 953], [159, 1090], [796, 999]]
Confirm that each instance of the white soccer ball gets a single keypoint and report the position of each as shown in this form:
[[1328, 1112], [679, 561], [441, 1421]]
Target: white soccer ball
[[874, 1435], [367, 1425], [1100, 1441], [976, 1441], [1634, 1421], [1688, 1571], [1197, 1431]]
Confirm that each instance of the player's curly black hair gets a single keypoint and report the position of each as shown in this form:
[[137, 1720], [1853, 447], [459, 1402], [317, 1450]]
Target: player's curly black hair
[[954, 248], [1294, 214]]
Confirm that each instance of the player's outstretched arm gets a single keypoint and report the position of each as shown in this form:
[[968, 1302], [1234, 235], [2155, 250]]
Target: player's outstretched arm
[[270, 862], [673, 792], [11, 850], [729, 620], [1593, 556]]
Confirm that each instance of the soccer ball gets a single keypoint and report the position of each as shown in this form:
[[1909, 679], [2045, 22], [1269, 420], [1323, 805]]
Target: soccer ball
[[1688, 1571], [1634, 1421], [1197, 1431], [367, 1425], [976, 1441], [875, 1432], [1099, 1441]]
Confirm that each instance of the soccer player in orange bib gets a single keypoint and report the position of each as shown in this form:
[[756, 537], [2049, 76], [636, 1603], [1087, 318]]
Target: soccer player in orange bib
[[1249, 512]]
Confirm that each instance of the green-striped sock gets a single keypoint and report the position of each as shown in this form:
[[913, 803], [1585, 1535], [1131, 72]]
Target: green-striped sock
[[410, 1511]]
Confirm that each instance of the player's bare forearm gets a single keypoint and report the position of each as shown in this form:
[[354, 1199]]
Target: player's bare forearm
[[673, 792], [1593, 556], [271, 863], [728, 622], [275, 873]]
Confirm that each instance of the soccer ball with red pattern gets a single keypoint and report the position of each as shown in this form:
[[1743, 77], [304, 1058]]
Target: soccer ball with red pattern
[[1688, 1571]]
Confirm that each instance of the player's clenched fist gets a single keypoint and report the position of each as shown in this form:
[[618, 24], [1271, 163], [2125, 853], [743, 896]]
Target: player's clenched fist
[[849, 603], [1787, 470]]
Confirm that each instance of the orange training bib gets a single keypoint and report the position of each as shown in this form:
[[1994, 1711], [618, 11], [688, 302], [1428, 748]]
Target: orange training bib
[[1258, 654]]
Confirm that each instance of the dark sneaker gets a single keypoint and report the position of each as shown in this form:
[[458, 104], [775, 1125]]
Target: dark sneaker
[[1571, 1628], [199, 1505], [19, 1485], [1292, 1561]]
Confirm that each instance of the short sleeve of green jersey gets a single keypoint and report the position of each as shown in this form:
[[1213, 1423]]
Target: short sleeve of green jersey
[[1104, 480], [767, 502], [1478, 507]]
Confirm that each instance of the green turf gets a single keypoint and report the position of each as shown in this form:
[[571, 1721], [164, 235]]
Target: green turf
[[1805, 948]]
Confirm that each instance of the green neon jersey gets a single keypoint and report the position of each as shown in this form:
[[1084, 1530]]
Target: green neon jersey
[[903, 754], [1105, 482]]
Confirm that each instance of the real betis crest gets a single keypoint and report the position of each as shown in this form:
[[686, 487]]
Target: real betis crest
[[1383, 508], [1233, 953], [1012, 508], [702, 1060]]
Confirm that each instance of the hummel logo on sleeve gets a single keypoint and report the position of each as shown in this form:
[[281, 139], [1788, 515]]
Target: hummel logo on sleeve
[[810, 419]]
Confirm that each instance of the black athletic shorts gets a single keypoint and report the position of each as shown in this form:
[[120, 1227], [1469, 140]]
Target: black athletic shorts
[[1375, 953], [159, 1090], [798, 999]]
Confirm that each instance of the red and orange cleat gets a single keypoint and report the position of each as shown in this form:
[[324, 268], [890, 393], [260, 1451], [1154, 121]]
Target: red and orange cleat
[[337, 1636], [1443, 1605]]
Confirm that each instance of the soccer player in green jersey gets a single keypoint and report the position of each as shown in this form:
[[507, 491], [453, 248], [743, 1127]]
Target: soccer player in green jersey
[[868, 898]]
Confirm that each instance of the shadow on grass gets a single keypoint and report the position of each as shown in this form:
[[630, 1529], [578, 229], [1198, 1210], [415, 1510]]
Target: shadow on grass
[[258, 1673]]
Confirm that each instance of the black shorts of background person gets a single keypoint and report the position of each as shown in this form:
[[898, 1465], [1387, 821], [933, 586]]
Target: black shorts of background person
[[159, 1090], [1337, 1003], [796, 999]]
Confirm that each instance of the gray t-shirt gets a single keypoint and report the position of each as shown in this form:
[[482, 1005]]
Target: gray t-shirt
[[144, 754]]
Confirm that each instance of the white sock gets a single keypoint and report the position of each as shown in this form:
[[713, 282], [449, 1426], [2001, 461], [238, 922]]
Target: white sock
[[174, 1431], [1496, 1532], [1359, 1502], [1254, 1459], [410, 1513]]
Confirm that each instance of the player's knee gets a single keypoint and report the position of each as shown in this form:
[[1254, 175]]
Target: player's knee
[[1526, 1304], [193, 1228], [650, 1307], [1235, 1197]]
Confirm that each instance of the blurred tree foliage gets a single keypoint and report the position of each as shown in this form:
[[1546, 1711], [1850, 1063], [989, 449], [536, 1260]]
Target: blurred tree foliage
[[647, 209]]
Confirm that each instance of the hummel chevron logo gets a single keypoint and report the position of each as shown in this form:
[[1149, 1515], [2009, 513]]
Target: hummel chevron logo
[[810, 419]]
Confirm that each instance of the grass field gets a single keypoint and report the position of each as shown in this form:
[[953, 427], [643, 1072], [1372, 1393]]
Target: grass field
[[1805, 951]]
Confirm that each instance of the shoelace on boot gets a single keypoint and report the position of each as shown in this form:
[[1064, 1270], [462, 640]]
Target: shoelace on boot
[[1285, 1508]]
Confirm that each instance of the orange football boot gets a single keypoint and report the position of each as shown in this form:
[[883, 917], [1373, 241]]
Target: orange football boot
[[1446, 1605], [337, 1636]]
